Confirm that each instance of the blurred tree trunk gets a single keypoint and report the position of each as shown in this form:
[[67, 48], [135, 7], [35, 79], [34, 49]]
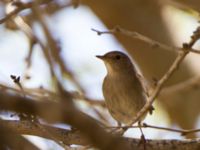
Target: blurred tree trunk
[[144, 16]]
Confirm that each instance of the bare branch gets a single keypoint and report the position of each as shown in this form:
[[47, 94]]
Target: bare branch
[[153, 43], [26, 127], [74, 137], [169, 73], [145, 125], [9, 139], [56, 112]]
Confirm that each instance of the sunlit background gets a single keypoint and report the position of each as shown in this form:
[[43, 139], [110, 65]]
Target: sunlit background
[[79, 45]]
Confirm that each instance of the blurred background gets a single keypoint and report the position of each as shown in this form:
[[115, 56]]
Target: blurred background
[[168, 22]]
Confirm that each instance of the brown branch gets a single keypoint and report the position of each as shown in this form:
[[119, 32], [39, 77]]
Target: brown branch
[[181, 131], [74, 137], [9, 139], [168, 74], [56, 112], [15, 12], [41, 93], [94, 133], [145, 125], [153, 43], [160, 84], [164, 144], [20, 7], [26, 127]]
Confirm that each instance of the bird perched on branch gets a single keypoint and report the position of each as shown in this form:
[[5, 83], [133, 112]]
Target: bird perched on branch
[[122, 88]]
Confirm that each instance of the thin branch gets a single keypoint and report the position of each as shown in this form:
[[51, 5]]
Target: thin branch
[[160, 84], [15, 12], [20, 6], [181, 131], [153, 43], [41, 93], [145, 125], [168, 74]]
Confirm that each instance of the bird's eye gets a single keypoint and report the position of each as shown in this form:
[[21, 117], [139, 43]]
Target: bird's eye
[[117, 57]]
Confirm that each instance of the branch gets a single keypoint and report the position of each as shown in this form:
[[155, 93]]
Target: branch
[[56, 112], [75, 137], [168, 74], [164, 144], [20, 7], [27, 127], [9, 139], [145, 125], [153, 43], [42, 93]]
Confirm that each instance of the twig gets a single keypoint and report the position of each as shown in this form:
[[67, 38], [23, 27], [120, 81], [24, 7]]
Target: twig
[[145, 125], [15, 12], [20, 7], [183, 132], [160, 84], [136, 35], [17, 81], [168, 74], [42, 93]]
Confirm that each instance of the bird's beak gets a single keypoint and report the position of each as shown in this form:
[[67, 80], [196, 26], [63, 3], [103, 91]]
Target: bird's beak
[[100, 57]]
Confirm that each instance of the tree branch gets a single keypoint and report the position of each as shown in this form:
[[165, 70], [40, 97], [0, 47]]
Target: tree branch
[[135, 35], [9, 139], [56, 112], [74, 137], [27, 127]]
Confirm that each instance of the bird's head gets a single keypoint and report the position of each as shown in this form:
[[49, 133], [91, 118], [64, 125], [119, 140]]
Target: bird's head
[[116, 61]]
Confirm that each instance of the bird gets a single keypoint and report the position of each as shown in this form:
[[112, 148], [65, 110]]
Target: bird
[[122, 87]]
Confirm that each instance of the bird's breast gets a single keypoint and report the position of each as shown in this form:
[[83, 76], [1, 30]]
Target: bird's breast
[[124, 98]]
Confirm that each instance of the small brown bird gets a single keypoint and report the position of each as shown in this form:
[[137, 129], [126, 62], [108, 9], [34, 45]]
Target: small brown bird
[[122, 89]]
